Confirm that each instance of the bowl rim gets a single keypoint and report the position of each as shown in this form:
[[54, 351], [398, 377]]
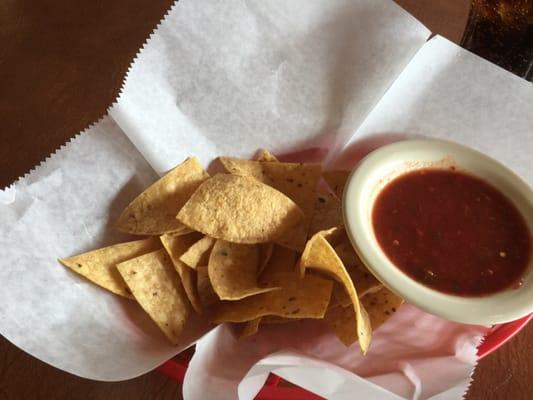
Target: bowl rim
[[484, 310]]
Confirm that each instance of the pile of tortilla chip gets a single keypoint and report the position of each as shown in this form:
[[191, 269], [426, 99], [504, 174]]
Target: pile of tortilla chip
[[259, 244]]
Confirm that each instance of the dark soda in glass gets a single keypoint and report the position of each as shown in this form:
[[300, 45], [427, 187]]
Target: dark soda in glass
[[502, 31]]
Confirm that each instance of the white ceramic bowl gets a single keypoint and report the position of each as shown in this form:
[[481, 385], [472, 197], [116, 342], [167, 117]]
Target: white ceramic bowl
[[390, 161]]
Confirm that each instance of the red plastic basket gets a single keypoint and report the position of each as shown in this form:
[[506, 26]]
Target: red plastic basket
[[272, 390]]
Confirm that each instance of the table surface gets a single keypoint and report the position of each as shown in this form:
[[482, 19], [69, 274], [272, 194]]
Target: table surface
[[61, 65]]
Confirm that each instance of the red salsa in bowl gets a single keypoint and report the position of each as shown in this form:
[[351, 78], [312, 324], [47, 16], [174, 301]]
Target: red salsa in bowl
[[452, 232]]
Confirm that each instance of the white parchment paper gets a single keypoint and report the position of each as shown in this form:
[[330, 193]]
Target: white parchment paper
[[64, 207], [227, 78], [449, 93]]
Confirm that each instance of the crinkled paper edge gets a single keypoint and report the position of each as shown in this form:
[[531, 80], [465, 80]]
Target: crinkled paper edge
[[471, 377], [51, 156], [77, 136]]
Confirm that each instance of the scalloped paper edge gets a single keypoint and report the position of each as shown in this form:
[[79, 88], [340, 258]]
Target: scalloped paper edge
[[62, 148], [139, 52]]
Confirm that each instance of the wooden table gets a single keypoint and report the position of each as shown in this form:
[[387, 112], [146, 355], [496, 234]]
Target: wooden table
[[61, 66]]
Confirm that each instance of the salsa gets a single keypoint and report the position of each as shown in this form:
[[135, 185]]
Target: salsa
[[452, 232]]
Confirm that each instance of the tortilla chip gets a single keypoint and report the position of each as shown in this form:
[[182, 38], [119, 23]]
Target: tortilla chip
[[345, 250], [297, 181], [336, 180], [99, 266], [198, 253], [206, 293], [233, 270], [240, 209], [327, 214], [319, 255], [154, 211], [363, 279], [347, 254], [342, 320], [249, 328], [176, 245], [157, 288], [265, 249], [297, 298], [281, 260], [381, 305], [265, 252], [340, 296], [266, 156], [188, 280], [333, 237]]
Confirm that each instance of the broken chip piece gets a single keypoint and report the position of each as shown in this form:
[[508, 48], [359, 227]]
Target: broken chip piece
[[233, 269], [153, 211], [99, 266], [157, 288], [198, 253], [336, 180], [176, 245], [297, 298]]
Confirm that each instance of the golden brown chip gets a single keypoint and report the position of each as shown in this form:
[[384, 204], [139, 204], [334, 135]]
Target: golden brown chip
[[345, 250], [363, 279], [281, 260], [233, 270], [206, 292], [240, 209], [265, 155], [297, 181], [265, 252], [319, 255], [154, 211], [346, 253], [176, 245], [342, 320], [297, 298], [336, 180], [188, 280], [332, 235], [340, 296], [381, 305], [181, 231], [265, 249], [100, 266], [327, 214], [249, 328], [198, 253], [157, 288]]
